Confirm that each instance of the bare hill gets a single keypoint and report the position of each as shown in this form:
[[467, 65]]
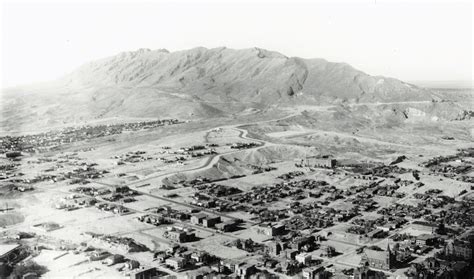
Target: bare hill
[[248, 75], [193, 84], [242, 163]]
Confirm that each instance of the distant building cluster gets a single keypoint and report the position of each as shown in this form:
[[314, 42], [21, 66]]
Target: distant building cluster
[[50, 140]]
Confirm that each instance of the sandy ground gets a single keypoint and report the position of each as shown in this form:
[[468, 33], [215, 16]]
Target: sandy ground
[[67, 265], [295, 143]]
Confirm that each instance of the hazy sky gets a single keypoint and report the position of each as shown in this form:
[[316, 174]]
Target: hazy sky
[[408, 40]]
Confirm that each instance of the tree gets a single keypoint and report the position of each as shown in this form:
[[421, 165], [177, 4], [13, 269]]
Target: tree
[[441, 229]]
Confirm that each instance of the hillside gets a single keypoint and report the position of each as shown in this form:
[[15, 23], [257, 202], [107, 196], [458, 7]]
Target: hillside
[[195, 84], [248, 75]]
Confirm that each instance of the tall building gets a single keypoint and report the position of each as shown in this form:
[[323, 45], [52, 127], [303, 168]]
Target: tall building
[[459, 248], [378, 259]]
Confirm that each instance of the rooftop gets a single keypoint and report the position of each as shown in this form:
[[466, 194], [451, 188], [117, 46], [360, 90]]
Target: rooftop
[[200, 215], [7, 248], [373, 254]]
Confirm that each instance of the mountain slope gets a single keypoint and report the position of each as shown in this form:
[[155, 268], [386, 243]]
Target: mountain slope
[[196, 83], [248, 75]]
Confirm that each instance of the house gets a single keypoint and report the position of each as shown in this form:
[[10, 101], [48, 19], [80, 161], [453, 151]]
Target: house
[[328, 251], [274, 248], [176, 262], [306, 243], [270, 263], [291, 254], [227, 226], [179, 236], [122, 189], [186, 255], [245, 270], [387, 227], [230, 265], [376, 233], [200, 256], [210, 222], [145, 273], [423, 249], [378, 259], [13, 154], [313, 272], [198, 218], [113, 259], [425, 239], [160, 256], [303, 258], [132, 264], [289, 267], [98, 255]]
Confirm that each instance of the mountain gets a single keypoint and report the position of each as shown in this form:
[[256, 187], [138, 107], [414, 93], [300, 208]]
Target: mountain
[[248, 75], [196, 83]]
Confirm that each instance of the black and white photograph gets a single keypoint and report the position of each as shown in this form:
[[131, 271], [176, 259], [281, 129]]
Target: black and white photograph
[[242, 139]]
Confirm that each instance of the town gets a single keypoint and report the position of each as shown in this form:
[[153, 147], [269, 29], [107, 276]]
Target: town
[[200, 207]]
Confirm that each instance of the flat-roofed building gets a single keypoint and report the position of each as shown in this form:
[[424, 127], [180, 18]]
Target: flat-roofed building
[[304, 258], [180, 235], [210, 222], [198, 218], [271, 229], [176, 262], [312, 272], [227, 226]]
